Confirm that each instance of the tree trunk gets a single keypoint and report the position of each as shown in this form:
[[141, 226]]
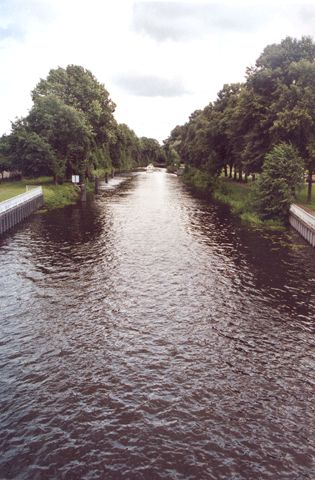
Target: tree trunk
[[225, 171], [240, 174], [235, 174], [309, 186], [83, 192], [231, 168], [253, 177], [246, 177], [97, 185]]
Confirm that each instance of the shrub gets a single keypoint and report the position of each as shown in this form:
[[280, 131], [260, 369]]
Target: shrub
[[276, 187]]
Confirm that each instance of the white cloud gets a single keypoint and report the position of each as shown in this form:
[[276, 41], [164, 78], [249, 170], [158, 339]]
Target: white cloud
[[182, 21], [150, 85], [161, 54]]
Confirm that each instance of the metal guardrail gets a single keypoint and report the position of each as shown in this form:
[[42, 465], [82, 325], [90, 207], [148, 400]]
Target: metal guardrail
[[20, 199], [306, 217]]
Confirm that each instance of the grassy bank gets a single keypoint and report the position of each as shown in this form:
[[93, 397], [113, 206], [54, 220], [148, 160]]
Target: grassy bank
[[237, 195], [199, 181], [302, 196], [55, 196]]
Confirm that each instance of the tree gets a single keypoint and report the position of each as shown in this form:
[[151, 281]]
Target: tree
[[125, 151], [281, 176], [67, 132], [72, 122], [151, 151], [30, 153], [5, 161], [244, 123], [78, 88], [294, 110]]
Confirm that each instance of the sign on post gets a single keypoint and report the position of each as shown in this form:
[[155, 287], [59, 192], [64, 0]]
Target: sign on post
[[75, 179]]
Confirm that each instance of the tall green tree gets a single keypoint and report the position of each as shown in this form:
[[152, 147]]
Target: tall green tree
[[281, 177], [294, 110], [30, 153], [5, 161], [151, 151], [66, 130], [78, 88]]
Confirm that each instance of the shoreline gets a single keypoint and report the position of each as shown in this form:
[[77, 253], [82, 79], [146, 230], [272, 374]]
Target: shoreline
[[236, 195], [58, 196]]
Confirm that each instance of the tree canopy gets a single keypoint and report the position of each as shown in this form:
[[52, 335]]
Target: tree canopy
[[71, 129], [275, 104]]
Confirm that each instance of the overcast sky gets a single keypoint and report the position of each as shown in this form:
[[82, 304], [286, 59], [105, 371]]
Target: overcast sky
[[159, 60]]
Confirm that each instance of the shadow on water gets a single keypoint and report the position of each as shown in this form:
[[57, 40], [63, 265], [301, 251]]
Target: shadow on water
[[279, 265]]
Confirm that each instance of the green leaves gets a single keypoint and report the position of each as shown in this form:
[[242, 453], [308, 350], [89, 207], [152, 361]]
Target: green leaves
[[31, 154], [276, 187], [65, 129], [276, 104]]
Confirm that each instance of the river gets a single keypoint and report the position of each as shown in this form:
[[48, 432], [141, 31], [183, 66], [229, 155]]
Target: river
[[150, 335]]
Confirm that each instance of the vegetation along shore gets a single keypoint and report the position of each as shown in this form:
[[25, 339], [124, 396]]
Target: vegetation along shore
[[70, 130], [254, 146]]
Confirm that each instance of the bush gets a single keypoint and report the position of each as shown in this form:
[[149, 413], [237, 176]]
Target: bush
[[200, 180], [279, 181]]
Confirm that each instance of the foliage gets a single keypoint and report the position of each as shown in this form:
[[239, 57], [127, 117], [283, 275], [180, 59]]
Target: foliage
[[31, 154], [58, 196], [201, 181], [275, 104], [279, 181], [5, 161], [78, 88], [55, 196], [71, 129], [66, 130], [151, 151], [237, 195]]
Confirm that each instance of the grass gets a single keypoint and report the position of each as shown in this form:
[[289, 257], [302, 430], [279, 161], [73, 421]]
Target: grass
[[302, 196], [235, 194], [200, 181], [55, 196], [239, 197]]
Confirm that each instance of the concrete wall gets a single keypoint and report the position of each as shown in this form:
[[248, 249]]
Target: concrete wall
[[303, 222], [16, 209]]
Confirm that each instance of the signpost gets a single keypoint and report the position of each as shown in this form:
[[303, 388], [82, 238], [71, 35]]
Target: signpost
[[75, 179]]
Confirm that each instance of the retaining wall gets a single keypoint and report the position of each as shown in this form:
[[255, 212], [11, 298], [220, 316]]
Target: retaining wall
[[17, 208], [303, 222]]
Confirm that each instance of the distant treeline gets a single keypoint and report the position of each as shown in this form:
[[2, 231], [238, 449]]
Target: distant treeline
[[275, 105], [71, 129]]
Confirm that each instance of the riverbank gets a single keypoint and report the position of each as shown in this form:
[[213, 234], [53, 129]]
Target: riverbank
[[55, 196], [302, 198], [238, 196]]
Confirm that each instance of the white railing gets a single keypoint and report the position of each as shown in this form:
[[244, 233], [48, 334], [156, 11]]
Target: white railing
[[306, 217], [19, 199]]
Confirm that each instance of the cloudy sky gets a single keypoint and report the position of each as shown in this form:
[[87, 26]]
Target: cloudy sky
[[160, 60]]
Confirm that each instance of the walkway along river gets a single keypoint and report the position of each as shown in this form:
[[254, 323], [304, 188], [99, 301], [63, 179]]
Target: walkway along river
[[149, 335]]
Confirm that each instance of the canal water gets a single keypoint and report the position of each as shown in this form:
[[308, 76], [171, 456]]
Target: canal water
[[150, 335]]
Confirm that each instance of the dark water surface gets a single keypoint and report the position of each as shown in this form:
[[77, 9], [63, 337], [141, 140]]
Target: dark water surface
[[151, 336]]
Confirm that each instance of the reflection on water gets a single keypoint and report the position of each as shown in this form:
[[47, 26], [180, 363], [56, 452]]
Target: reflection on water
[[149, 335]]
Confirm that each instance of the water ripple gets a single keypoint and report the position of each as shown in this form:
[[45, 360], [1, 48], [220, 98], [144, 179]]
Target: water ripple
[[149, 335]]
